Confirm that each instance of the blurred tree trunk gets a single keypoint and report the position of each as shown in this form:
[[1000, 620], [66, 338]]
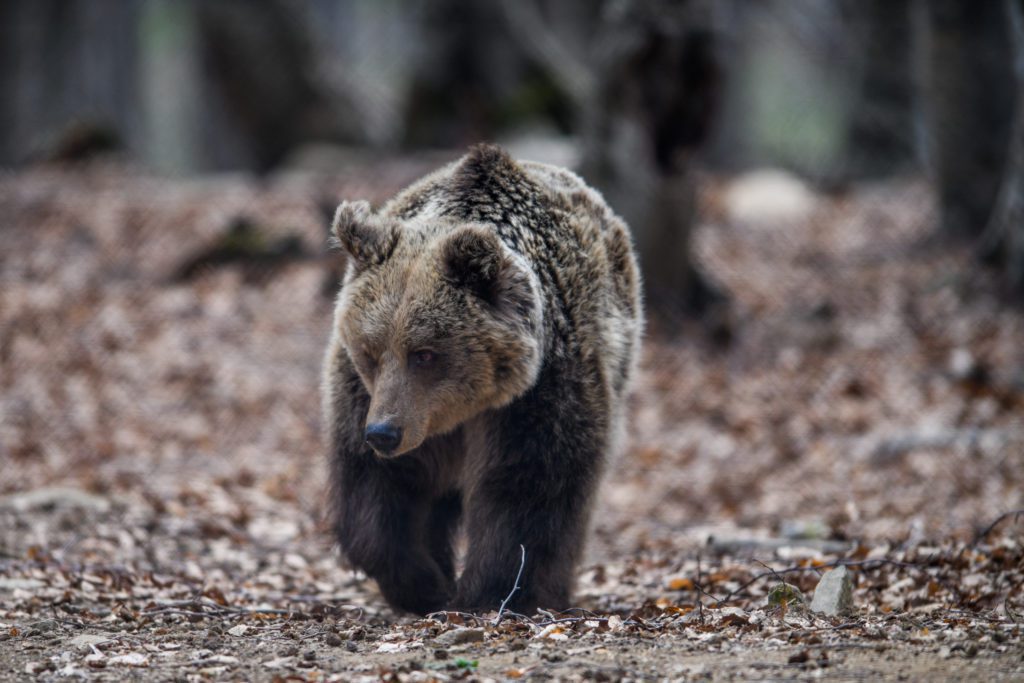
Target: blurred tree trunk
[[975, 98], [260, 66], [1003, 241], [471, 79], [969, 96], [667, 92], [881, 134], [645, 87], [656, 106], [68, 74], [451, 96]]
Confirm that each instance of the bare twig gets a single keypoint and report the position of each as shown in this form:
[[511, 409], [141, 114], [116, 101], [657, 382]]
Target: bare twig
[[1016, 514], [700, 603], [1009, 612], [771, 570], [519, 574], [573, 620], [464, 615]]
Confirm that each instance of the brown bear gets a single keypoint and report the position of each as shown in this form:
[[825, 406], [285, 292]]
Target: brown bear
[[483, 340]]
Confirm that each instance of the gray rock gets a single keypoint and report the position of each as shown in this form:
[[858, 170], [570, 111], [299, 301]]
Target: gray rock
[[44, 626], [20, 584], [834, 593], [85, 641], [56, 497], [458, 636]]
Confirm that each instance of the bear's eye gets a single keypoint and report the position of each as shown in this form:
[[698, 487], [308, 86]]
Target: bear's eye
[[423, 358]]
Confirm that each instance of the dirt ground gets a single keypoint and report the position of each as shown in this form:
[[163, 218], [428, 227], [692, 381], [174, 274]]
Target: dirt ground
[[161, 495]]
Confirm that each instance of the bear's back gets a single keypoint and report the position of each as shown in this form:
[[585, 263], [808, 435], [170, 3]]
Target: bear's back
[[608, 287]]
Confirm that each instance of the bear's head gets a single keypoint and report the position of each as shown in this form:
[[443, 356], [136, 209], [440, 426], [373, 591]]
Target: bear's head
[[441, 320]]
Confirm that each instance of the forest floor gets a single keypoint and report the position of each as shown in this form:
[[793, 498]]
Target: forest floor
[[161, 497]]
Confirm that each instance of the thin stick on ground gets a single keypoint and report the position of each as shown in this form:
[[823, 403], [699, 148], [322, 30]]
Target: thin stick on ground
[[519, 574], [1017, 514], [700, 601]]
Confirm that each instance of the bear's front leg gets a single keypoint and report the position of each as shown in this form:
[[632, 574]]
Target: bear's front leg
[[381, 507], [540, 471], [381, 530]]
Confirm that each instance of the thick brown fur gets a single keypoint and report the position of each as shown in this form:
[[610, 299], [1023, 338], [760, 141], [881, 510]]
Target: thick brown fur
[[491, 312]]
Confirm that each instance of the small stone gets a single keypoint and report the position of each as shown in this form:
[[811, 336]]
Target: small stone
[[295, 561], [333, 639], [310, 655], [351, 646], [803, 529], [458, 636], [834, 592], [86, 641], [785, 595], [44, 626], [20, 584], [356, 633], [238, 631], [56, 497], [440, 653], [130, 659]]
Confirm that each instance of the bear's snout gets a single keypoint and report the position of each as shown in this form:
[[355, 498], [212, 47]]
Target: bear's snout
[[383, 437]]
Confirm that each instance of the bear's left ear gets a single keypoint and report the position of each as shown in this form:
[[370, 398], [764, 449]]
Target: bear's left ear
[[368, 238], [474, 258]]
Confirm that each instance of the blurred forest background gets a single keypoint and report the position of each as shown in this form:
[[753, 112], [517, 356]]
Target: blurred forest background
[[637, 94], [828, 201]]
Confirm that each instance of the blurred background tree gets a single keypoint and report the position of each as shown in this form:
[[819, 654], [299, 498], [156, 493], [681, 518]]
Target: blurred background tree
[[641, 96]]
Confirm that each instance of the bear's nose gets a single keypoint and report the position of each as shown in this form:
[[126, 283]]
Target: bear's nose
[[383, 437]]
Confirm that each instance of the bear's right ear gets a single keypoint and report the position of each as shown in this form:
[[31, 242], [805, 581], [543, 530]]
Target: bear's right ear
[[471, 258], [474, 258], [369, 239]]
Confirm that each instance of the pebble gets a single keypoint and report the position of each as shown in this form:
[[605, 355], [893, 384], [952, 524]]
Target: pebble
[[56, 497], [7, 584], [85, 641], [459, 636], [784, 594], [43, 626]]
